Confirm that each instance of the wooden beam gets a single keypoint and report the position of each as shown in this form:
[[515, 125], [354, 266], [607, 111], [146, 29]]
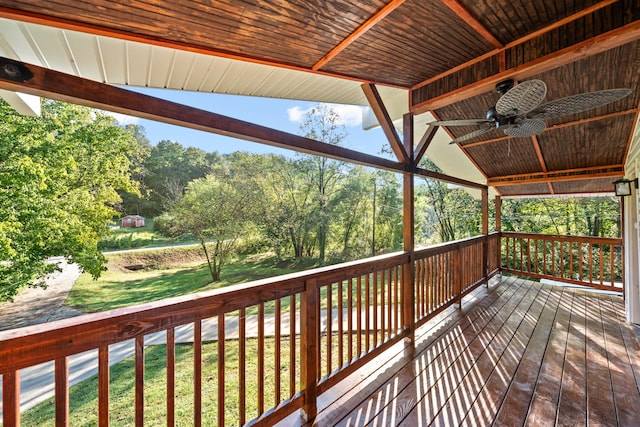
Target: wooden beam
[[366, 26], [424, 143], [560, 175], [470, 20], [407, 135], [578, 51], [536, 147], [64, 87], [446, 178], [378, 108]]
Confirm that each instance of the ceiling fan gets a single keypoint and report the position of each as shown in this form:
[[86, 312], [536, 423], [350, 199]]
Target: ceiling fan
[[518, 112]]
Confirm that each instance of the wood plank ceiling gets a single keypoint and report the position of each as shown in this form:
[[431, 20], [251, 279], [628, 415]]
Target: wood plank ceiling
[[448, 53]]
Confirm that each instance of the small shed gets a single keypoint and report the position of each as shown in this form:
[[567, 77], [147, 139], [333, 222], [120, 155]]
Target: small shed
[[133, 221]]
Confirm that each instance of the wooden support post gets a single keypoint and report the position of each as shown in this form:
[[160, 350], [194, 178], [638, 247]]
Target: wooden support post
[[485, 231], [310, 349], [408, 276], [498, 206]]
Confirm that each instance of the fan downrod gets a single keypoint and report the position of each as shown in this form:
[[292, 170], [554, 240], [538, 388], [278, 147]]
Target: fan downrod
[[504, 86]]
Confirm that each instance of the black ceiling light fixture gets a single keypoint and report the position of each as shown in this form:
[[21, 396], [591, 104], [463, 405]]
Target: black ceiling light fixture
[[14, 71], [622, 187]]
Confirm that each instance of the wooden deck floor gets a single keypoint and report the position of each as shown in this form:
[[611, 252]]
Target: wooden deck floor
[[519, 353]]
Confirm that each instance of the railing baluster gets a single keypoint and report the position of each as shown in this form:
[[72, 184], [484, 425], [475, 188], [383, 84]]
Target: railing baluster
[[359, 315], [350, 318], [340, 326], [197, 373], [11, 398], [389, 303], [590, 263], [103, 386], [382, 306], [221, 361], [328, 330], [139, 373], [62, 391], [398, 304], [260, 359], [367, 312], [242, 355], [278, 349], [374, 284], [171, 376], [601, 265], [571, 260], [292, 346], [611, 265]]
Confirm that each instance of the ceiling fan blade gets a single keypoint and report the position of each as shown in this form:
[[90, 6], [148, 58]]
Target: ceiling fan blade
[[525, 128], [522, 98], [472, 134], [577, 103], [461, 122]]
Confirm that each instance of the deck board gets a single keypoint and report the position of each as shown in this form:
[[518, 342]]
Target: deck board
[[517, 353]]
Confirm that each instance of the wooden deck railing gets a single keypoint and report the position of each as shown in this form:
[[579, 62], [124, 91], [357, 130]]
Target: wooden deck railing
[[595, 262], [256, 352]]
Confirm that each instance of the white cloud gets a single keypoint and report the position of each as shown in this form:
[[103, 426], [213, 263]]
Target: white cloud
[[122, 119], [351, 115]]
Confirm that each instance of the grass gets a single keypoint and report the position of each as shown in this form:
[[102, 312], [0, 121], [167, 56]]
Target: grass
[[141, 237], [83, 398], [119, 287]]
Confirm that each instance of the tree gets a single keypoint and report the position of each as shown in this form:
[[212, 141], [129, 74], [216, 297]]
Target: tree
[[59, 176], [451, 214], [170, 167], [217, 210], [138, 202], [325, 125]]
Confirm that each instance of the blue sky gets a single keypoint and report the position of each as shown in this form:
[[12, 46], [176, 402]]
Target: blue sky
[[279, 114]]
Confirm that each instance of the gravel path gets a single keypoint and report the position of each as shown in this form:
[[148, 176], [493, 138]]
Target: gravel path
[[37, 305]]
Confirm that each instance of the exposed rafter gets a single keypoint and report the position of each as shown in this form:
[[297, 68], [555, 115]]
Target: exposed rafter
[[560, 175], [382, 13], [467, 17], [437, 92]]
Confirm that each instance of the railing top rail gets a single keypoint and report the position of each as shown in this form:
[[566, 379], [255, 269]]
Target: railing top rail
[[447, 246], [566, 238]]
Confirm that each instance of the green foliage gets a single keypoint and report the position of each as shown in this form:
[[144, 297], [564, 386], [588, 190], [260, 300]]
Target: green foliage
[[219, 209], [444, 214], [597, 216], [59, 176], [163, 172]]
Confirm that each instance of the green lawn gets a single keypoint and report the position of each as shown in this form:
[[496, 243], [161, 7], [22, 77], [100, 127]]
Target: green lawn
[[142, 237], [121, 288]]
